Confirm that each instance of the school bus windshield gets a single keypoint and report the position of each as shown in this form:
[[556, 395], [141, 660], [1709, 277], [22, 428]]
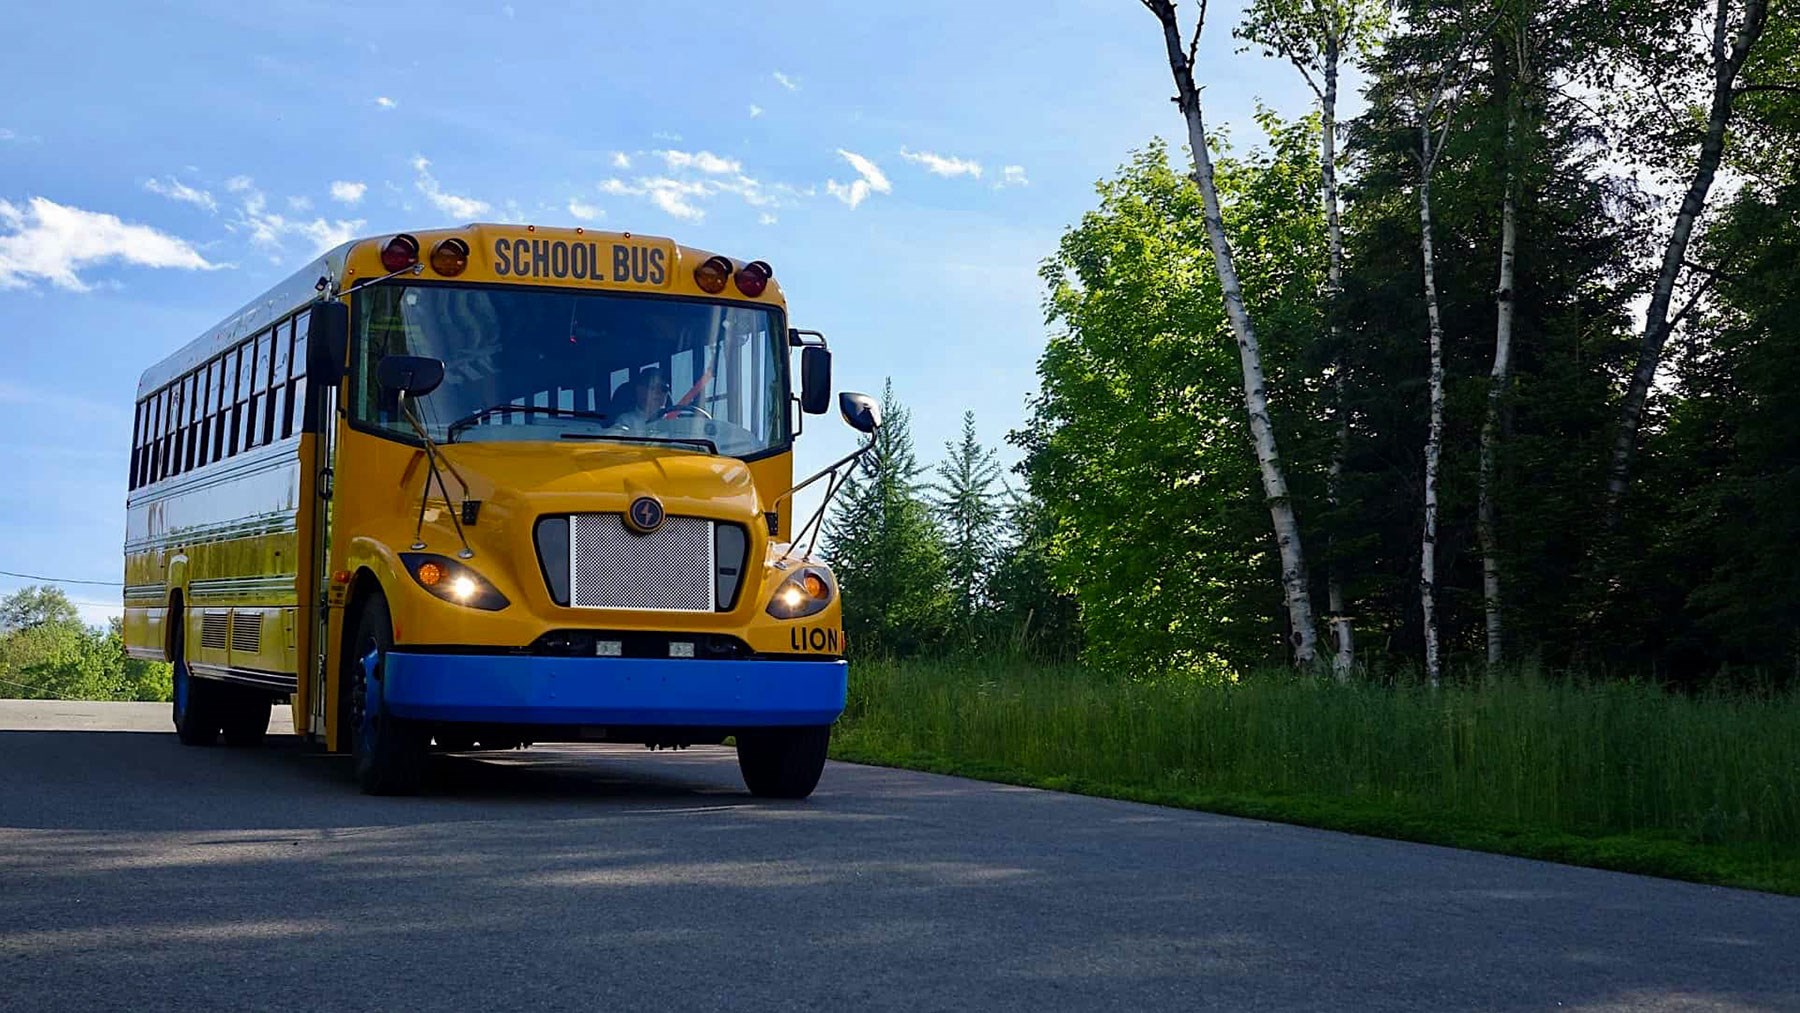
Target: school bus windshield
[[535, 364]]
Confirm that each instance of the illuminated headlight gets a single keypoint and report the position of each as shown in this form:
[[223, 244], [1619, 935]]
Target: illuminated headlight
[[452, 581], [806, 591]]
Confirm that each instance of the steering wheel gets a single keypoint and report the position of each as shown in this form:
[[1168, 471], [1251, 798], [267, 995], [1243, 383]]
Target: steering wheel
[[677, 411]]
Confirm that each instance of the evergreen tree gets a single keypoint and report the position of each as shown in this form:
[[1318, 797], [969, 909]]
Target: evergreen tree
[[1033, 611], [969, 514], [885, 550]]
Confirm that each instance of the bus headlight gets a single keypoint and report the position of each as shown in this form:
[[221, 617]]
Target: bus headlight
[[452, 581], [805, 592]]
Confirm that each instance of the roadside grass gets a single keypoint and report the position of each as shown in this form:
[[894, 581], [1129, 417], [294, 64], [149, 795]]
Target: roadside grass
[[1618, 775]]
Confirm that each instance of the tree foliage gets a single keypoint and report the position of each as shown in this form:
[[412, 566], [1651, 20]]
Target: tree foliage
[[46, 652]]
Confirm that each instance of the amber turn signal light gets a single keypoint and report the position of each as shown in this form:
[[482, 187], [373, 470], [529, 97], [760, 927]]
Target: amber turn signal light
[[711, 275], [449, 257]]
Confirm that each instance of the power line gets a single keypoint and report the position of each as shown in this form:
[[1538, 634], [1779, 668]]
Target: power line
[[40, 689], [61, 580]]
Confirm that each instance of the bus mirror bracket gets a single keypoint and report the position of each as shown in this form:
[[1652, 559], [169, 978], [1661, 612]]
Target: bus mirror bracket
[[327, 342], [837, 472]]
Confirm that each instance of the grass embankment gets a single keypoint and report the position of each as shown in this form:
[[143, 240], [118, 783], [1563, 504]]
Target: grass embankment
[[1617, 775]]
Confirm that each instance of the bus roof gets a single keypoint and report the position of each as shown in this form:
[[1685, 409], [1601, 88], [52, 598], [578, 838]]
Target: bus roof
[[362, 256]]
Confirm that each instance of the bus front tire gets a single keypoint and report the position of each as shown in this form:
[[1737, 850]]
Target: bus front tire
[[196, 701], [389, 752], [782, 762]]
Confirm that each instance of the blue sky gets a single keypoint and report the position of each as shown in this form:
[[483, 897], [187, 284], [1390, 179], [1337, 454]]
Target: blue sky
[[904, 167]]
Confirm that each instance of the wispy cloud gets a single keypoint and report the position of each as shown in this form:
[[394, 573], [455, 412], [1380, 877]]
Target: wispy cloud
[[1012, 175], [870, 179], [454, 205], [755, 110], [386, 103], [271, 230], [176, 190], [50, 241], [582, 211], [621, 160], [676, 197], [785, 81], [705, 161], [299, 203], [9, 136], [766, 219], [943, 165], [346, 192]]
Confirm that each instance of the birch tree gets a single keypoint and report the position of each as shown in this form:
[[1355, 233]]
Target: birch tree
[[1434, 113], [1517, 43], [1295, 585], [1736, 28], [1315, 36]]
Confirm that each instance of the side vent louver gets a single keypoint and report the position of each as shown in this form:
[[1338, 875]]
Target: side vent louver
[[246, 632], [212, 630]]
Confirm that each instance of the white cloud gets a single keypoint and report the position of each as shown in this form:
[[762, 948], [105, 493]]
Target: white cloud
[[621, 160], [943, 165], [384, 102], [239, 184], [1012, 175], [346, 192], [675, 197], [766, 219], [272, 231], [705, 161], [300, 203], [755, 110], [584, 212], [176, 190], [870, 180], [785, 81], [52, 241], [454, 205]]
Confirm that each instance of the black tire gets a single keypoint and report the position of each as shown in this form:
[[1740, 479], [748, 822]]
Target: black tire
[[389, 752], [246, 718], [783, 762], [195, 708]]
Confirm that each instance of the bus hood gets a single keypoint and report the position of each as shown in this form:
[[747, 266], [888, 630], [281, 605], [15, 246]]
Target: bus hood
[[527, 480]]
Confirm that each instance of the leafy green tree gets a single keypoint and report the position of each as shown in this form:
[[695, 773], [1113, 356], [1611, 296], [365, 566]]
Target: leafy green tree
[[969, 513], [1034, 611], [36, 606], [886, 551], [1137, 447]]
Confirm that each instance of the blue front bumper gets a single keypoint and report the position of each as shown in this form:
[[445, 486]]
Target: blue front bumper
[[537, 690]]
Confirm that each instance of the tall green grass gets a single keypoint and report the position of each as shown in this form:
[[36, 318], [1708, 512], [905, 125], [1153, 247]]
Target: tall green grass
[[1624, 775]]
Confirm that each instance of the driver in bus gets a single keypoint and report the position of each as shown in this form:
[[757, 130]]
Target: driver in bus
[[645, 398]]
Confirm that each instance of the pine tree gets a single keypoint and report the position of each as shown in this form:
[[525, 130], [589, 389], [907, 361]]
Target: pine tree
[[887, 553], [968, 512]]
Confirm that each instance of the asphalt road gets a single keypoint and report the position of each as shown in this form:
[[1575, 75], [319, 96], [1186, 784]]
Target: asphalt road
[[138, 874]]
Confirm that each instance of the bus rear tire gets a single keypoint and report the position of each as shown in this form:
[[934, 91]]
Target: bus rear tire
[[389, 752], [246, 718], [783, 762], [196, 701]]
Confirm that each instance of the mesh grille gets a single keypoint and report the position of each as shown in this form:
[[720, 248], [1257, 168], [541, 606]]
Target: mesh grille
[[670, 569]]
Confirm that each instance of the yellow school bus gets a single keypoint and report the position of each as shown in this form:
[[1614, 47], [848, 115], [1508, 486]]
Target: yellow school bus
[[482, 487]]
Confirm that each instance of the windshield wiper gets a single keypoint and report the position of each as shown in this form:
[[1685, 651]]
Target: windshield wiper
[[508, 408], [698, 441]]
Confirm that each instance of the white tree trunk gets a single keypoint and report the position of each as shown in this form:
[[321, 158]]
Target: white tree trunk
[[1657, 325], [1344, 659], [1498, 379], [1303, 636], [1435, 434]]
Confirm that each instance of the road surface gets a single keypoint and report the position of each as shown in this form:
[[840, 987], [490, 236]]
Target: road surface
[[138, 874]]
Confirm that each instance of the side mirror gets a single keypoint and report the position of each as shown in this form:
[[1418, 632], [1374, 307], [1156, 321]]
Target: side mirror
[[860, 410], [327, 342], [815, 379], [412, 375]]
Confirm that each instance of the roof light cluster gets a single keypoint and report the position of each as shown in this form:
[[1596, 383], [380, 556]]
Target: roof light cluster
[[751, 279], [450, 257]]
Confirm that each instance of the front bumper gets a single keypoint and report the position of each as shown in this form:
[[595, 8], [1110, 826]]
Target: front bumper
[[549, 690]]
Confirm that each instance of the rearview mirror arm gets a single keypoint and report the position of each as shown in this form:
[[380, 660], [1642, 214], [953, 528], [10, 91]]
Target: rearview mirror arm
[[816, 523]]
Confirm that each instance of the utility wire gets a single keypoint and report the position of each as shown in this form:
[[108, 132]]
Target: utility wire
[[61, 580], [40, 689]]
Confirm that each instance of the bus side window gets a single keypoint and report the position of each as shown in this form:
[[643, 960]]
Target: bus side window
[[234, 394], [215, 403], [272, 379], [190, 420], [156, 435], [137, 432], [297, 384]]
